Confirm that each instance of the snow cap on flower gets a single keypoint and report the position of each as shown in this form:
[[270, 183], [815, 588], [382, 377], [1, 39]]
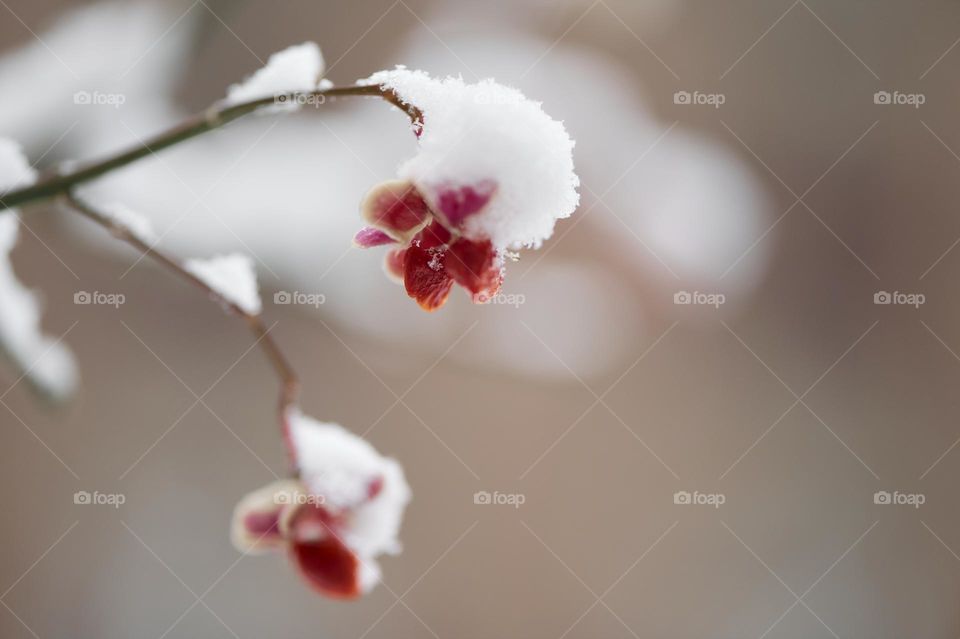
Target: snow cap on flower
[[343, 511], [490, 160], [296, 68]]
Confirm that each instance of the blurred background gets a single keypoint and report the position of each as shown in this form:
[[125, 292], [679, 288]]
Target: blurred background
[[758, 179]]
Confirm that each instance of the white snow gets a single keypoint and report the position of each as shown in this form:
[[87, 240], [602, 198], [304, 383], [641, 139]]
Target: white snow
[[15, 170], [340, 466], [54, 84], [231, 276], [487, 131], [134, 221], [44, 361], [296, 68]]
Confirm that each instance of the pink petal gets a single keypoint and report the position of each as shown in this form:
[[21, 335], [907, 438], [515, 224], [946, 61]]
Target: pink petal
[[393, 264], [396, 208], [458, 203], [368, 237]]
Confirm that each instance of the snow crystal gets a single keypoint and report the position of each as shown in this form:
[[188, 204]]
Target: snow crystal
[[340, 466], [131, 220], [232, 276], [486, 131], [296, 68]]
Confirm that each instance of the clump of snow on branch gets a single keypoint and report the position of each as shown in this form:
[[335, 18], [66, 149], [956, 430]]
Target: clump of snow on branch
[[46, 362], [232, 276], [133, 221], [489, 132], [15, 171], [296, 68]]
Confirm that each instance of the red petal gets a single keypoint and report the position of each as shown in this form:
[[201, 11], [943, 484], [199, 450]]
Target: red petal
[[329, 567], [425, 278], [474, 266], [457, 203], [393, 264], [324, 560], [396, 208], [434, 236], [368, 237]]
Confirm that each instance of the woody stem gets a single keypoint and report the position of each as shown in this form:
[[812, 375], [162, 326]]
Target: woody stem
[[289, 384]]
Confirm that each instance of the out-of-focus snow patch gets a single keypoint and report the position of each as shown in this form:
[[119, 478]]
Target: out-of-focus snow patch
[[490, 132], [45, 362], [134, 221], [15, 170], [233, 277], [96, 64], [296, 68], [701, 210]]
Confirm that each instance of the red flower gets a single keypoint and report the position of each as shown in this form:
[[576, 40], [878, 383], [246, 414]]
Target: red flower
[[285, 514], [434, 251], [343, 511]]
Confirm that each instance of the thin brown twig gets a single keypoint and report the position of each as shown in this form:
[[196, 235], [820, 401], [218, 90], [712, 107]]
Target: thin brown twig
[[289, 383]]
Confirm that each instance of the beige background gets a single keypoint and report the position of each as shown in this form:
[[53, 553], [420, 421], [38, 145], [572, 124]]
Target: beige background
[[599, 520]]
